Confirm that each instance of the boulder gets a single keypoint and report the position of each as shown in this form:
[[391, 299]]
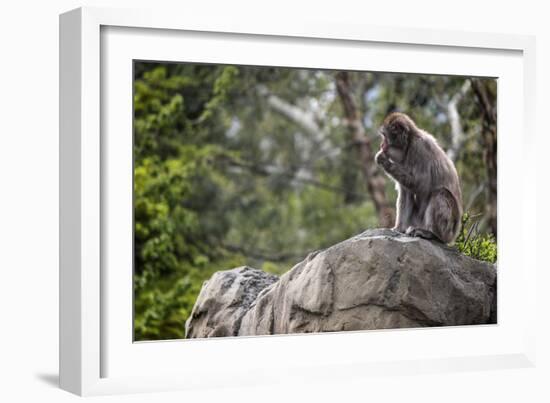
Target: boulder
[[224, 300], [379, 279]]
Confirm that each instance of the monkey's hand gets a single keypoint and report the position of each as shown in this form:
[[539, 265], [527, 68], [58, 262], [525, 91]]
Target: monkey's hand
[[395, 170], [384, 145], [382, 159]]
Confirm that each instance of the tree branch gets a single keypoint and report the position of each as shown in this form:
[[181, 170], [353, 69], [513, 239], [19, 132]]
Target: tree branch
[[270, 170], [485, 97], [474, 195], [374, 180], [297, 115], [457, 133]]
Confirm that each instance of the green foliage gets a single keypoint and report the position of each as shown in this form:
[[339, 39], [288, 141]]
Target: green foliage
[[473, 243], [177, 197]]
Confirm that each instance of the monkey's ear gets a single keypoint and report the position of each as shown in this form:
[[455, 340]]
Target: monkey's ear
[[406, 127]]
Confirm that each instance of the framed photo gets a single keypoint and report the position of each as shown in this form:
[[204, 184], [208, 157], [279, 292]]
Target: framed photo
[[242, 202]]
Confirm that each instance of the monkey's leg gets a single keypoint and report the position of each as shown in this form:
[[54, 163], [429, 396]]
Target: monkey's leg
[[441, 215], [423, 233], [405, 209]]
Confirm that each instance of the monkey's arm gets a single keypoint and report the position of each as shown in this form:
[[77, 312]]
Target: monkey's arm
[[395, 170]]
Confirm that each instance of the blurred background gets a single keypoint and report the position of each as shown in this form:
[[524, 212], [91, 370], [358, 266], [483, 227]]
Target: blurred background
[[258, 166]]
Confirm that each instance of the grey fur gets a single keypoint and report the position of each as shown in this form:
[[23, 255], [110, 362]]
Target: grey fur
[[429, 201]]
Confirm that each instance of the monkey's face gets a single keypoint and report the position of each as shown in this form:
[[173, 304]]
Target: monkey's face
[[395, 138]]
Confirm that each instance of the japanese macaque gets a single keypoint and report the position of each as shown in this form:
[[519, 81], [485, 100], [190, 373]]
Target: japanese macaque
[[429, 201]]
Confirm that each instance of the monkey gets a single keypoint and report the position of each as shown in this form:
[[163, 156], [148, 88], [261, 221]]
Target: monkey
[[429, 198]]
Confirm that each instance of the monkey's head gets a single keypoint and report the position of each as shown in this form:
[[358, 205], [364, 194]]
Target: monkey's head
[[396, 132]]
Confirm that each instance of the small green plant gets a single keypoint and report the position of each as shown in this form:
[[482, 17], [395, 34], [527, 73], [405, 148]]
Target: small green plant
[[472, 243]]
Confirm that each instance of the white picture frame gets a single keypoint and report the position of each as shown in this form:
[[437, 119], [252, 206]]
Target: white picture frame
[[97, 356]]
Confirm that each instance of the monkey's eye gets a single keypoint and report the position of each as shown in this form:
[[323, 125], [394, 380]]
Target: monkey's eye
[[396, 128]]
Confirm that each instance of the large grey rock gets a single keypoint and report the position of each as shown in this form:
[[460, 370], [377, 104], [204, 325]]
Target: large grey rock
[[377, 280]]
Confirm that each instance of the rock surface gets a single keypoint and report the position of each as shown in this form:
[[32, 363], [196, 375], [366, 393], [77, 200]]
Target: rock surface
[[224, 300], [379, 279]]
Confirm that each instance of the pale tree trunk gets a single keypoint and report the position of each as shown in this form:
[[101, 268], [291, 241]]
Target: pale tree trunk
[[457, 139], [374, 178], [299, 116], [486, 97]]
